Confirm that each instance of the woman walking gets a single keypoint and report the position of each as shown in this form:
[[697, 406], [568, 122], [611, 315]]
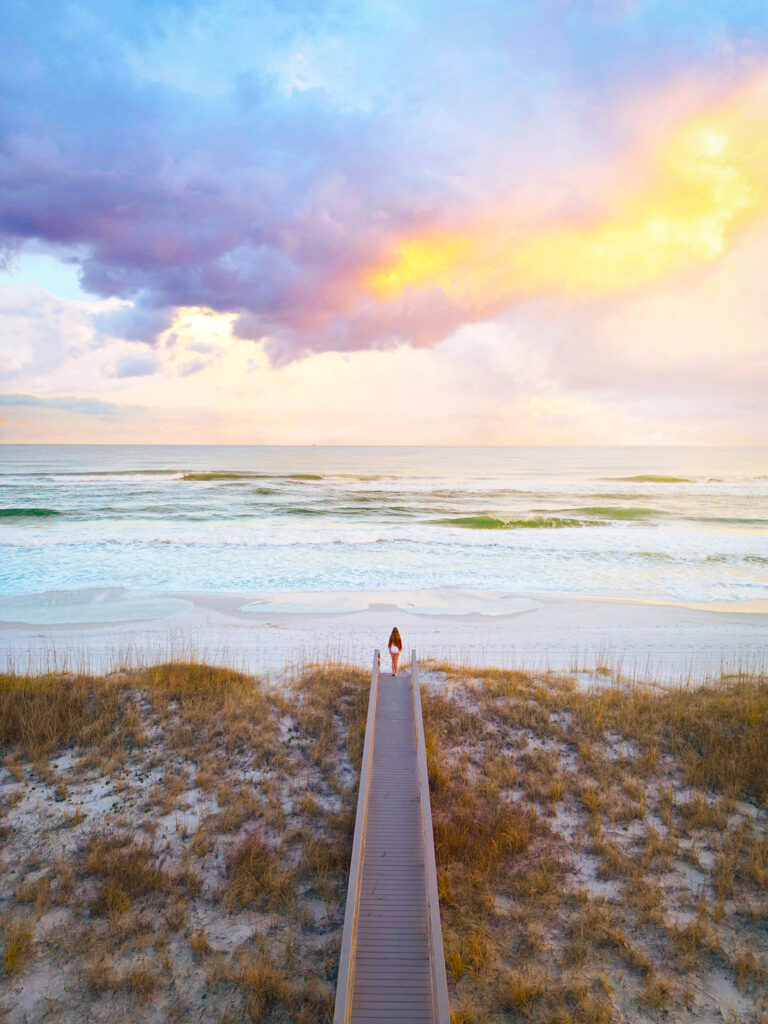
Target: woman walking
[[395, 647]]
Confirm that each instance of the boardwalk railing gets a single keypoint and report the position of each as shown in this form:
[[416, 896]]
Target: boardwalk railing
[[392, 966], [437, 955], [344, 982]]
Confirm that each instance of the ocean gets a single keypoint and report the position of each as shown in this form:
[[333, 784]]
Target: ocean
[[686, 524]]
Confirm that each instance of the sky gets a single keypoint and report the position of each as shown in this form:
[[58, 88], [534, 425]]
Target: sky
[[376, 221]]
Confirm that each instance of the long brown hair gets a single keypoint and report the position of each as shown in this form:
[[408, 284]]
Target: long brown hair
[[394, 639]]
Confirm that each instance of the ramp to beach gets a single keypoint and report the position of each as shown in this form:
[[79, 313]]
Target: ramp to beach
[[392, 966]]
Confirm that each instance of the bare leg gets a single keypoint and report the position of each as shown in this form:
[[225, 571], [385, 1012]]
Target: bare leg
[[395, 659]]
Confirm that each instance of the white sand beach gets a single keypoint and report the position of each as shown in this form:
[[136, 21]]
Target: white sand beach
[[100, 628]]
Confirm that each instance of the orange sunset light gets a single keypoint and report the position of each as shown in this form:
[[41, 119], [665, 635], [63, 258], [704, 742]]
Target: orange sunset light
[[708, 178]]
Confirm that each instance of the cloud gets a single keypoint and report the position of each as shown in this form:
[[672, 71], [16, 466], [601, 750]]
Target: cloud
[[40, 332], [86, 406], [702, 346], [702, 184], [142, 139], [135, 365], [545, 222], [135, 322]]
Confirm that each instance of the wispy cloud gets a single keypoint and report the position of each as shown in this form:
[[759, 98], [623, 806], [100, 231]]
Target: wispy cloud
[[85, 406], [135, 365]]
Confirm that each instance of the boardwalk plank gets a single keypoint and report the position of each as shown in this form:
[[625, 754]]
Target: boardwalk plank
[[391, 966], [392, 970]]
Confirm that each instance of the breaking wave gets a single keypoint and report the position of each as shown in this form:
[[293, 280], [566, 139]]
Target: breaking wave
[[528, 523], [651, 478], [619, 512], [223, 475], [31, 513]]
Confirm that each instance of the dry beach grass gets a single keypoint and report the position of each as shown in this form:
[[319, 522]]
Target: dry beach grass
[[601, 856], [174, 844]]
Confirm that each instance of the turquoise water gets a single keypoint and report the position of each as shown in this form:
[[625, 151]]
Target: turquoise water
[[687, 524]]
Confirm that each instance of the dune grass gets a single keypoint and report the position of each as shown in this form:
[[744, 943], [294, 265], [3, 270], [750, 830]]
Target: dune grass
[[191, 826], [600, 855], [176, 839], [40, 714]]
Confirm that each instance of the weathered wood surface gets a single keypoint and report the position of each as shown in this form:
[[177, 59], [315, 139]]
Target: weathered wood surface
[[392, 973]]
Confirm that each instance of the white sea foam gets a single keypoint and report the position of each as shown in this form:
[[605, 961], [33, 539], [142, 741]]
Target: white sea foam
[[368, 519]]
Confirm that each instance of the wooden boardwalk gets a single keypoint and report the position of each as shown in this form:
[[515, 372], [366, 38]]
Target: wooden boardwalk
[[392, 966]]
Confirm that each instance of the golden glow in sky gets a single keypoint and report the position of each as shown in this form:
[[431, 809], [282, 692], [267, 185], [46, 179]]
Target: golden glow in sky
[[375, 353], [703, 182]]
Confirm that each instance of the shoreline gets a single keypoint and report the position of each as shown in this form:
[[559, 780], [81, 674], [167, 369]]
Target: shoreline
[[655, 641]]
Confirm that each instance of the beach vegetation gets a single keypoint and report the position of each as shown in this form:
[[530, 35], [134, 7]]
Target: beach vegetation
[[258, 876], [179, 836], [16, 938], [643, 849]]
